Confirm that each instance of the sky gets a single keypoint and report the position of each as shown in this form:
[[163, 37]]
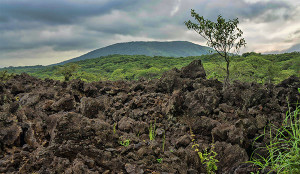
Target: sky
[[38, 32]]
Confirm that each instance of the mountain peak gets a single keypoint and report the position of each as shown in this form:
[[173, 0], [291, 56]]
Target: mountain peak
[[148, 48]]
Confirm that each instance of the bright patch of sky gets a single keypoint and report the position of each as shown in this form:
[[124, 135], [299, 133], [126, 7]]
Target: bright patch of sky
[[176, 8]]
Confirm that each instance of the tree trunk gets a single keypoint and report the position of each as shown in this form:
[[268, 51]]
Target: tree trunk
[[227, 70]]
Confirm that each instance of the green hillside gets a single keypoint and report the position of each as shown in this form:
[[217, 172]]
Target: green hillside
[[166, 49], [248, 67]]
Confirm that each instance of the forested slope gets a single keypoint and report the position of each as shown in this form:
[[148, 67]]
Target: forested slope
[[248, 67]]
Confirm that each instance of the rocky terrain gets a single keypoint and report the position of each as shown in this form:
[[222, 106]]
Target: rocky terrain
[[49, 126]]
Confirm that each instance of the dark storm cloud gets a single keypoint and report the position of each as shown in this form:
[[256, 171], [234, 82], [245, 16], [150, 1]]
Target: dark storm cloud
[[238, 8], [58, 11], [23, 23], [69, 25], [258, 9], [292, 49]]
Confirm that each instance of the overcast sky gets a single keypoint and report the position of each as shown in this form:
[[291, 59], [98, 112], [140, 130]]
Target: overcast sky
[[44, 32]]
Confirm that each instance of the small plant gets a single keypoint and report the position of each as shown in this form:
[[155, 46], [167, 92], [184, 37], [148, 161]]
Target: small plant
[[283, 149], [125, 143], [114, 128], [208, 159], [138, 134], [152, 131], [159, 160]]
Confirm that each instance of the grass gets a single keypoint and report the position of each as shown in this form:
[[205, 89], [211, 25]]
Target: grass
[[114, 128], [284, 147], [152, 131]]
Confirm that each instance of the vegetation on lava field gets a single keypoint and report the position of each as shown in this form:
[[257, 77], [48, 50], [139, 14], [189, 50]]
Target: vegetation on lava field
[[248, 67]]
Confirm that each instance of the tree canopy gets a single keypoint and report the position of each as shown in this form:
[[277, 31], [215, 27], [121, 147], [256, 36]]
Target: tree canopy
[[222, 36]]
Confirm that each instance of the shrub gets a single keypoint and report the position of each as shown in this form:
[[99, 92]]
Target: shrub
[[4, 76], [68, 71]]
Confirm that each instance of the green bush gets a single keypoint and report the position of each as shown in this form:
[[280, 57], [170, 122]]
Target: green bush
[[68, 70], [4, 76]]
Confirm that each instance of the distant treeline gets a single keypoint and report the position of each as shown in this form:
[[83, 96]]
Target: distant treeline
[[247, 67]]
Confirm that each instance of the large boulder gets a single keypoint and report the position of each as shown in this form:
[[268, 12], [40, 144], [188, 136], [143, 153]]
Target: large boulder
[[30, 99], [181, 79], [202, 101], [126, 124], [193, 70], [229, 156], [66, 103], [204, 125], [169, 81], [90, 107]]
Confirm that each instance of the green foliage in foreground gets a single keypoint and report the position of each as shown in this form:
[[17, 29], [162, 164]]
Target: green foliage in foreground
[[152, 130], [283, 149], [248, 67], [4, 76]]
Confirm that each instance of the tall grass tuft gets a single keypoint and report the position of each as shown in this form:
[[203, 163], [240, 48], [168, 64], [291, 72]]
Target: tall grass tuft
[[284, 147], [152, 130]]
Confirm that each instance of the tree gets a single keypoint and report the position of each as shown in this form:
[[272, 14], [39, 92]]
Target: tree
[[272, 71], [68, 71], [222, 36], [250, 54]]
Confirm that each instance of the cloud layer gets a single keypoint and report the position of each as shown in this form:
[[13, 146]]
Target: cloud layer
[[46, 32]]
